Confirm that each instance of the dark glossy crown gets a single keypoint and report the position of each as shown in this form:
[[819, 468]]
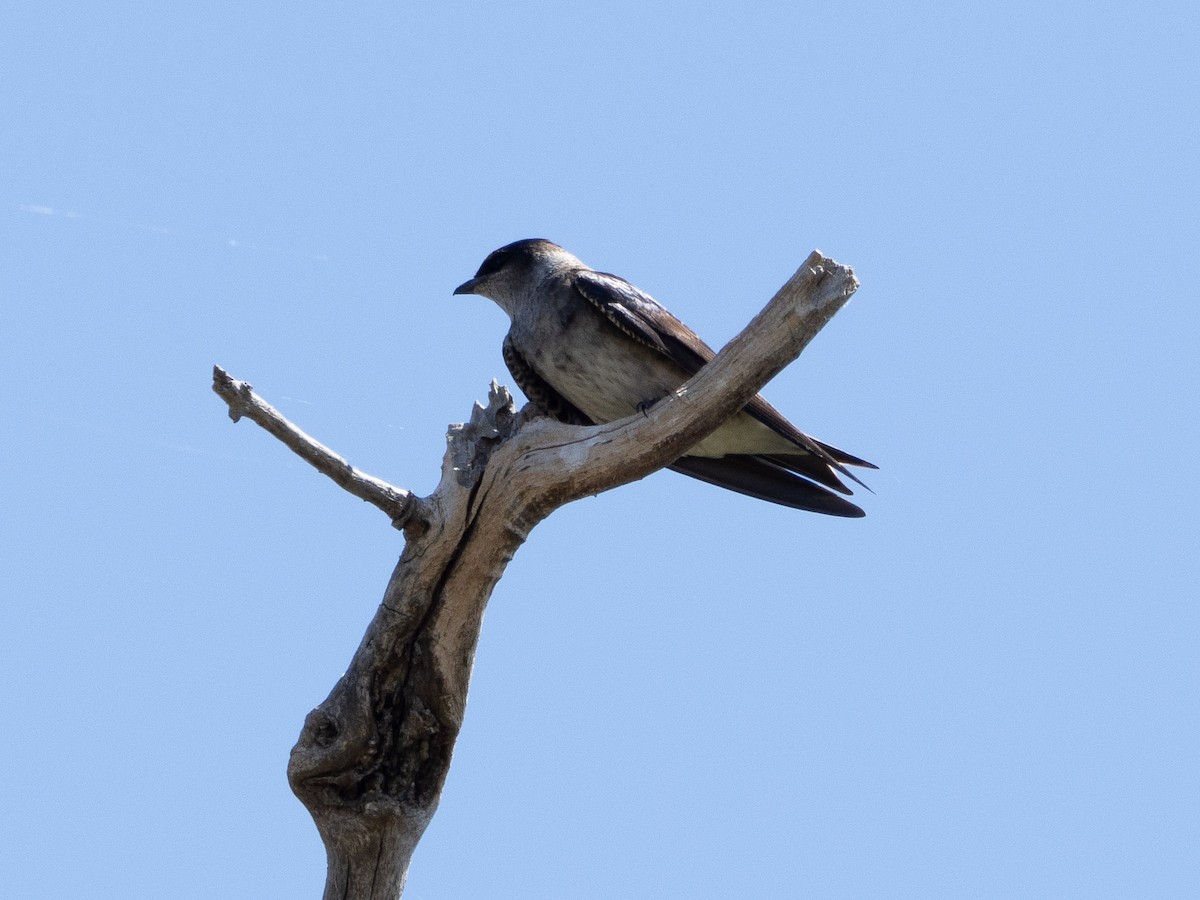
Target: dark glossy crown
[[514, 254]]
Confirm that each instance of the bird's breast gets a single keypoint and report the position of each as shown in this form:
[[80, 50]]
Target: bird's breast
[[602, 371]]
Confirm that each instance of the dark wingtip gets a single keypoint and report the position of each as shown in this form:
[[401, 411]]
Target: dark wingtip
[[760, 478], [846, 459]]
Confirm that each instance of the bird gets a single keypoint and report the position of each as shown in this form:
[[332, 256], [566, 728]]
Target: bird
[[587, 347]]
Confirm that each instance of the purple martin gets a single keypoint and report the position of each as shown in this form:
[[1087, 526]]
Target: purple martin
[[587, 347]]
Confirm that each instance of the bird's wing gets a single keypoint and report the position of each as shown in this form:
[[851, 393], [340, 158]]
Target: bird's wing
[[644, 319], [752, 475], [758, 477], [540, 394]]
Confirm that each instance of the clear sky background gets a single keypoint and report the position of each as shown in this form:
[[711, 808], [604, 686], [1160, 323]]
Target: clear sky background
[[987, 688]]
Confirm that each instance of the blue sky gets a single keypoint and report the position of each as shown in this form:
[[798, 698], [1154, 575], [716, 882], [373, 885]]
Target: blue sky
[[988, 687]]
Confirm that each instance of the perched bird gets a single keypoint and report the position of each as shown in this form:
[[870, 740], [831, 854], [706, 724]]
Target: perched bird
[[587, 347]]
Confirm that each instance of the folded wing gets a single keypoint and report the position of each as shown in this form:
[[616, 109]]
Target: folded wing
[[752, 475]]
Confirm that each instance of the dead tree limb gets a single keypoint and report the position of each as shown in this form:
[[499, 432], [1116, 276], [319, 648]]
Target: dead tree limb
[[372, 758]]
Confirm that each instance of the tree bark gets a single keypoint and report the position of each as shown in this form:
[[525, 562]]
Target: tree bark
[[372, 758]]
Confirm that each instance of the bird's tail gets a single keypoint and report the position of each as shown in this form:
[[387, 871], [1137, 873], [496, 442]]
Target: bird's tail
[[759, 477]]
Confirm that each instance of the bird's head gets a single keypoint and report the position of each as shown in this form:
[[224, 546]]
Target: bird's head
[[515, 269]]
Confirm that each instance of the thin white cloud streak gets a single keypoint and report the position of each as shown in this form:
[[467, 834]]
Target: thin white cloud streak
[[39, 209]]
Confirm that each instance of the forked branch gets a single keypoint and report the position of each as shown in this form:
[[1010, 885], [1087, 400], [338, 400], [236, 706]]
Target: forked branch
[[372, 758]]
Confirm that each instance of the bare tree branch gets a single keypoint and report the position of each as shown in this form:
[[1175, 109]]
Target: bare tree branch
[[405, 509], [372, 758]]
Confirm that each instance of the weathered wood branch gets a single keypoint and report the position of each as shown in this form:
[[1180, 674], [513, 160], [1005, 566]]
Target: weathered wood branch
[[372, 758], [405, 508]]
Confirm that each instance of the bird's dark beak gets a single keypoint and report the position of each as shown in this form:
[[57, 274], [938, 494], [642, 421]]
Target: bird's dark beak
[[467, 287]]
